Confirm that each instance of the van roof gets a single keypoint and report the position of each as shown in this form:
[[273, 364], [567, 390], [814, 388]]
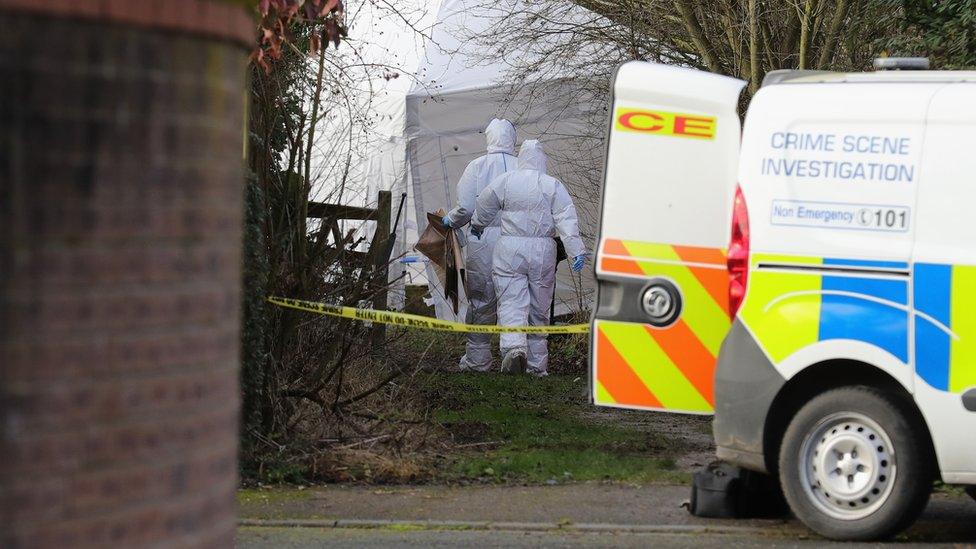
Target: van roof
[[888, 77]]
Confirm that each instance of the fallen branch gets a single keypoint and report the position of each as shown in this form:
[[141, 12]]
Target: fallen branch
[[361, 442], [473, 444]]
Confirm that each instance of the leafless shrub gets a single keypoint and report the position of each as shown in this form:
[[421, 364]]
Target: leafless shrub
[[314, 389]]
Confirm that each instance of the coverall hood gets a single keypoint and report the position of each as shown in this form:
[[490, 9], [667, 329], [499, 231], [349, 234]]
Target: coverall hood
[[532, 208], [532, 157], [500, 134], [480, 287]]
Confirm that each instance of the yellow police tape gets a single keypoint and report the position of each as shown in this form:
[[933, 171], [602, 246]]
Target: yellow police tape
[[421, 322]]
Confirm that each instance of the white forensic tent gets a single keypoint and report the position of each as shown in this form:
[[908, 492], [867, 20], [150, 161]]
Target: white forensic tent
[[431, 131]]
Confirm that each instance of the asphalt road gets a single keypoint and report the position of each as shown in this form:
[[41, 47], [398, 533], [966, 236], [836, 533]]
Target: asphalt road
[[302, 538], [573, 515]]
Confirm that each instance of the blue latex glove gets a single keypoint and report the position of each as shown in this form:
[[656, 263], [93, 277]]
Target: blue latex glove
[[446, 221], [477, 231], [578, 263]]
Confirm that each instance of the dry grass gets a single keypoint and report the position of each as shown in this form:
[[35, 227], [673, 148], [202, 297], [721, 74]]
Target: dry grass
[[431, 425]]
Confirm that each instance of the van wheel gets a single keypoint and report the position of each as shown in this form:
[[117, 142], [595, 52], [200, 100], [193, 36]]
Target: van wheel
[[854, 465]]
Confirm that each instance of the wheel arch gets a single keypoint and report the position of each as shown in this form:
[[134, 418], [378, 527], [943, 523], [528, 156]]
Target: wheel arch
[[815, 380]]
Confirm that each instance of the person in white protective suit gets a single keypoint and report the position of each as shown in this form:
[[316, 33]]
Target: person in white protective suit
[[533, 208], [481, 290]]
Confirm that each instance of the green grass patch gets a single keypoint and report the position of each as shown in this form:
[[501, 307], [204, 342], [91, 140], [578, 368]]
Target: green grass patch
[[535, 432], [951, 489], [270, 496], [272, 503], [554, 464], [405, 528]]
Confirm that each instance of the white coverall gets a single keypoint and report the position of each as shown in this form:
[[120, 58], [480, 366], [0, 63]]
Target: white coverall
[[533, 208], [481, 290]]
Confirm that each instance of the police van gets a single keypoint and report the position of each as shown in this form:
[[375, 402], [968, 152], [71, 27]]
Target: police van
[[832, 330]]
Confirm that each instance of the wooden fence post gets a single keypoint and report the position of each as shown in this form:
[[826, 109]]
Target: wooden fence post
[[381, 262]]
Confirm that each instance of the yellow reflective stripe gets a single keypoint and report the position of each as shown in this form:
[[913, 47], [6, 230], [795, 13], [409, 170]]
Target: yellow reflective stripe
[[790, 324], [706, 318], [602, 396], [654, 368], [962, 374], [650, 250]]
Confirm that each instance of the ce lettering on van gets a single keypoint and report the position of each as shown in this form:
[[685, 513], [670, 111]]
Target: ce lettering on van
[[665, 123]]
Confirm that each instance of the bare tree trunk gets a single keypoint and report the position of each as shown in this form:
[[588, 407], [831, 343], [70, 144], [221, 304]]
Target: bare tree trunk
[[833, 34], [316, 103], [805, 34], [705, 49], [302, 219], [754, 67], [815, 18], [767, 37], [734, 39], [792, 37]]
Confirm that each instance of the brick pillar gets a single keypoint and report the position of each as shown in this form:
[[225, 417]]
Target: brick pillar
[[120, 238]]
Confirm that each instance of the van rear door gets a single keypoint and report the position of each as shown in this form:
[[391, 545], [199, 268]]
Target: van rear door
[[662, 308]]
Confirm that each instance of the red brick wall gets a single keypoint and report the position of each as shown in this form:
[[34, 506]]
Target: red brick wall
[[120, 237]]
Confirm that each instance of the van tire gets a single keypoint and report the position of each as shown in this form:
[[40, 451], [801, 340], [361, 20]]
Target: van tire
[[869, 449]]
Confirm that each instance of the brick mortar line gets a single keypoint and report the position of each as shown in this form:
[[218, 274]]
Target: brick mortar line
[[198, 455], [149, 330], [155, 412], [169, 506], [122, 71], [208, 412], [202, 283], [131, 418], [207, 19], [136, 244], [83, 337], [175, 118], [128, 243], [175, 376], [149, 374]]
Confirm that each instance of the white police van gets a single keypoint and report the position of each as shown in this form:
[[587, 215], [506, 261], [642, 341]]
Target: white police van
[[833, 332]]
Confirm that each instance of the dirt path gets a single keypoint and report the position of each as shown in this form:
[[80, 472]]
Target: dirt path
[[688, 436]]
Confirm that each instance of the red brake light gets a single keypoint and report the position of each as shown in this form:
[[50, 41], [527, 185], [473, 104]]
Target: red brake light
[[738, 257]]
